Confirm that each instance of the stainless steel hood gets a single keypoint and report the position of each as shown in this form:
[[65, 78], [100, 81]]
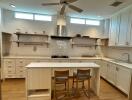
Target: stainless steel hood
[[61, 29]]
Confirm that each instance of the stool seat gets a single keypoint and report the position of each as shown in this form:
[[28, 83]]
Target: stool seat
[[81, 76], [61, 79]]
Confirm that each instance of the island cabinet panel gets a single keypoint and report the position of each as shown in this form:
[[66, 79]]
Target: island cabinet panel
[[39, 78], [38, 84]]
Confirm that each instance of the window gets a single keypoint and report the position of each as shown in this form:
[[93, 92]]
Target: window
[[43, 18], [23, 15], [77, 21], [93, 22]]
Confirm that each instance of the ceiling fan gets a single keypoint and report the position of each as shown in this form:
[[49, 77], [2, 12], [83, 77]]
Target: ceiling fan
[[65, 3]]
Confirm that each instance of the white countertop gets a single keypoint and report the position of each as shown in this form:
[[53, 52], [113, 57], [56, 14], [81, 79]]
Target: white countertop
[[40, 57], [127, 65], [64, 64]]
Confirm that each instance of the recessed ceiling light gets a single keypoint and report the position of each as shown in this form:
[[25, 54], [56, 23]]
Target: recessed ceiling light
[[12, 5]]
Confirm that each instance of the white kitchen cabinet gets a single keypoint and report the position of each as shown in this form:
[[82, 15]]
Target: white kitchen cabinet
[[117, 75], [9, 68], [130, 27], [38, 84], [20, 68], [123, 37], [103, 69], [123, 79], [114, 30], [106, 26], [111, 73]]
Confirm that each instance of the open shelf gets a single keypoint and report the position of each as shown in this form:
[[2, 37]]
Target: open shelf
[[32, 43], [32, 39], [104, 42], [82, 45], [31, 34], [39, 93], [84, 41]]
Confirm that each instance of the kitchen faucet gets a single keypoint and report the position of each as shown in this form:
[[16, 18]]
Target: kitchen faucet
[[128, 57]]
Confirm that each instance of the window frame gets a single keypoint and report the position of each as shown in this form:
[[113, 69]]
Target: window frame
[[15, 15], [77, 22], [43, 16], [92, 22]]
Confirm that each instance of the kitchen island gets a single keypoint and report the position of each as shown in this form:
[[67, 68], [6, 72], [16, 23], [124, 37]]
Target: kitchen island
[[39, 77]]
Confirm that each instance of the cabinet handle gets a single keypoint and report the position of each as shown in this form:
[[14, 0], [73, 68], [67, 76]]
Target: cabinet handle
[[21, 62], [9, 66], [9, 71], [9, 61], [117, 69]]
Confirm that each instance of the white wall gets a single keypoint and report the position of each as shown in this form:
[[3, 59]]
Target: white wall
[[11, 25]]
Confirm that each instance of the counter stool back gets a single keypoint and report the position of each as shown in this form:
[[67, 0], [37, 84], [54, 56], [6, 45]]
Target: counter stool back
[[61, 77], [82, 76]]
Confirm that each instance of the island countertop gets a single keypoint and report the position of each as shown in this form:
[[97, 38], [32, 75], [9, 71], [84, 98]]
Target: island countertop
[[62, 65]]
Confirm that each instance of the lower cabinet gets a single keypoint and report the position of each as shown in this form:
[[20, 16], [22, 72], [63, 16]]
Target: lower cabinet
[[111, 73], [123, 79], [103, 69], [117, 75]]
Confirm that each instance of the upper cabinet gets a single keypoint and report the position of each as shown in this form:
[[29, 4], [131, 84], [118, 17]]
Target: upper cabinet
[[114, 30], [123, 37], [120, 32], [130, 28]]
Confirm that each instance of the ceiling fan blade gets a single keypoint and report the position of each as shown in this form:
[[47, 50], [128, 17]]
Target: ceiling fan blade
[[62, 10], [49, 4], [71, 1], [75, 8]]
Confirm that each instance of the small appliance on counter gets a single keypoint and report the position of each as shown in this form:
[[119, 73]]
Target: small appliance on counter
[[59, 56]]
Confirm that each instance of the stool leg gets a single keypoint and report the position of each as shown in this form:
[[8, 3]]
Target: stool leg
[[89, 87], [68, 87], [54, 91], [73, 82], [77, 91]]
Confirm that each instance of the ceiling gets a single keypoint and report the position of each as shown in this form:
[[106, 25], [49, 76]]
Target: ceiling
[[92, 8]]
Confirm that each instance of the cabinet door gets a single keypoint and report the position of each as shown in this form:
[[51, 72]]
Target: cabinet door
[[123, 32], [114, 30], [123, 79], [103, 69], [111, 73], [130, 27], [38, 78]]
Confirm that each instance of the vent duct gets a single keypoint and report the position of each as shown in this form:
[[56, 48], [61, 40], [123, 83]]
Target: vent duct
[[117, 3]]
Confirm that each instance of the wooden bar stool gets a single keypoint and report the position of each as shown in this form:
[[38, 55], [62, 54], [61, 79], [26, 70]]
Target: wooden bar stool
[[61, 78], [82, 76]]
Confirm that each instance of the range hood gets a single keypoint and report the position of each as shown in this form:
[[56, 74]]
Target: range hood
[[61, 30]]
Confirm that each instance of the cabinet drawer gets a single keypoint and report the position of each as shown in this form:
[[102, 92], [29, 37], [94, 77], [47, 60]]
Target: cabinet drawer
[[10, 76], [9, 71], [39, 98], [9, 62], [20, 76], [20, 62]]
